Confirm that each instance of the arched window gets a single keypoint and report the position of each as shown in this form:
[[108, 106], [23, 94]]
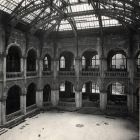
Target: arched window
[[31, 60], [95, 88], [62, 87], [95, 62], [118, 62], [13, 59], [83, 61], [84, 88], [46, 63], [117, 89], [62, 62], [138, 63]]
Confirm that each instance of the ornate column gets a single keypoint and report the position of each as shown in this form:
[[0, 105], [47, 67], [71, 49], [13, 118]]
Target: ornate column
[[103, 92], [78, 90], [55, 94], [55, 67], [78, 97], [23, 101], [40, 64], [3, 67], [24, 69], [130, 95], [103, 98], [39, 98], [78, 67], [2, 110]]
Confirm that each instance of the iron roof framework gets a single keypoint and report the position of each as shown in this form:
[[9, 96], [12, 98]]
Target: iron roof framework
[[73, 15]]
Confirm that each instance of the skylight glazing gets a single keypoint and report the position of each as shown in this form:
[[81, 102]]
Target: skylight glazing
[[46, 14]]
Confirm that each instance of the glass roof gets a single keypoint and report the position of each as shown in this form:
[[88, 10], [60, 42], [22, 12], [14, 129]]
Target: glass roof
[[82, 14]]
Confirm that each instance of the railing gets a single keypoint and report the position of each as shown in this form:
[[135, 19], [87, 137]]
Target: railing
[[121, 108], [30, 108], [90, 73], [13, 74], [67, 73], [46, 73], [137, 74], [67, 104], [47, 104], [31, 73], [13, 115], [116, 74]]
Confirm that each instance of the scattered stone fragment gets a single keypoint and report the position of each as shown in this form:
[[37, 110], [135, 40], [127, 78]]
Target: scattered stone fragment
[[79, 125], [106, 123], [97, 124]]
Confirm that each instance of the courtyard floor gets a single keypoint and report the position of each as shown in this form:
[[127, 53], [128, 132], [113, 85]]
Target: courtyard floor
[[72, 126]]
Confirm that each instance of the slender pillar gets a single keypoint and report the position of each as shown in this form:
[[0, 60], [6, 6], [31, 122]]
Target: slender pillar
[[24, 67], [130, 96], [78, 66], [21, 64], [23, 103], [55, 94], [40, 63], [3, 67], [39, 98], [55, 67], [103, 100], [2, 110], [78, 99], [130, 103], [23, 100]]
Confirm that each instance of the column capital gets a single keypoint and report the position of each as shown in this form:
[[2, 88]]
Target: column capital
[[24, 57]]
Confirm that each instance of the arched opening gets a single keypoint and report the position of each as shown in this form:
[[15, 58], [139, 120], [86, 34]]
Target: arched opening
[[90, 61], [66, 92], [31, 95], [117, 61], [66, 61], [13, 99], [13, 59], [31, 60], [47, 93], [47, 63], [90, 94], [116, 94], [138, 62]]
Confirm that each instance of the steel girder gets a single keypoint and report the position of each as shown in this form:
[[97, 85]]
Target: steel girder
[[128, 12]]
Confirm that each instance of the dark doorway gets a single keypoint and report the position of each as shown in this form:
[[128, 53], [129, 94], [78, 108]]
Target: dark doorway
[[31, 95], [13, 100], [47, 93]]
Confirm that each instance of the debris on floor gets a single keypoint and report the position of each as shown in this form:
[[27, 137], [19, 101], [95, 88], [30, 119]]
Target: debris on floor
[[79, 125]]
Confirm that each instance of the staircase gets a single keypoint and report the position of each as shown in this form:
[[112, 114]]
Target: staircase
[[3, 130]]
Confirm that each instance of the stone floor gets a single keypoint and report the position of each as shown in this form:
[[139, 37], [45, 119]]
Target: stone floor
[[72, 126]]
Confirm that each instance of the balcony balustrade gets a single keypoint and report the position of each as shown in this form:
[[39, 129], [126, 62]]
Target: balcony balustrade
[[13, 115], [31, 73], [31, 107], [13, 74], [116, 74], [46, 73], [90, 73], [67, 73]]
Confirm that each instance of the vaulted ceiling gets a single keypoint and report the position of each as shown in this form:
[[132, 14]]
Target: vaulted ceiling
[[59, 15]]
